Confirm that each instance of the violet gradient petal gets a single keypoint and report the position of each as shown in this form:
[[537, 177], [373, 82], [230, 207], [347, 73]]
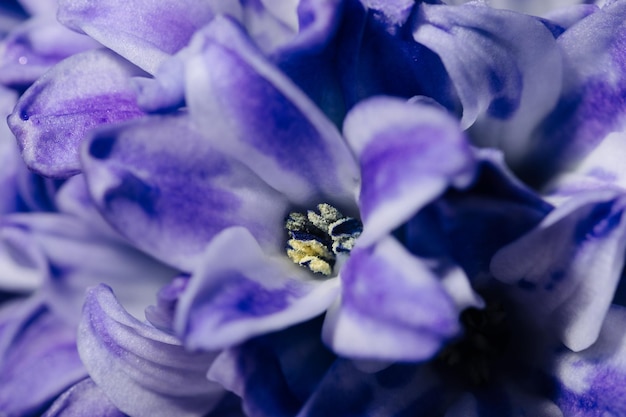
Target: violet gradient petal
[[36, 46], [507, 82], [392, 307], [251, 111], [592, 102], [53, 116], [162, 184], [38, 357], [239, 292], [83, 399], [409, 155], [564, 271], [591, 383], [143, 31], [143, 371]]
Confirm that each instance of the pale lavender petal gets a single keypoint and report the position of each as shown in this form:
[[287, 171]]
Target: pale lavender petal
[[569, 16], [591, 383], [409, 155], [393, 307], [251, 111], [239, 292], [143, 31], [591, 104], [38, 357], [83, 399], [171, 200], [36, 7], [75, 256], [36, 46], [564, 272], [162, 314], [270, 24], [507, 83], [10, 159], [143, 371], [52, 117]]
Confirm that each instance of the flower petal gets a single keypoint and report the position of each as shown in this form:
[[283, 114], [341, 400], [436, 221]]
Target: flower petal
[[143, 371], [508, 400], [392, 307], [83, 399], [36, 46], [143, 31], [409, 155], [251, 111], [51, 119], [38, 357], [567, 268], [239, 292], [171, 200], [591, 382], [507, 82]]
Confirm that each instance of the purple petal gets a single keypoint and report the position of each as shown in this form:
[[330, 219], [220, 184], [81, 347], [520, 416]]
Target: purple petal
[[38, 357], [592, 104], [409, 155], [251, 111], [392, 307], [36, 46], [507, 82], [143, 371], [161, 316], [565, 271], [83, 399], [239, 292], [591, 382], [171, 200], [51, 119], [143, 31]]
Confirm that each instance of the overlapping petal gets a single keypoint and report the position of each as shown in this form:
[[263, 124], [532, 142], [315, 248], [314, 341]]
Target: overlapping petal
[[51, 119], [393, 307], [239, 292], [507, 83], [252, 112], [165, 187], [83, 399], [143, 371], [567, 268], [409, 155], [143, 31]]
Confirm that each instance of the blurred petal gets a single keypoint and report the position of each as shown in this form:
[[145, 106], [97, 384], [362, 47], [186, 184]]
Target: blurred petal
[[409, 155], [143, 371], [251, 111], [38, 357], [51, 119], [171, 200], [239, 292], [392, 307], [592, 104], [591, 382], [36, 46], [567, 268], [506, 82], [83, 399], [508, 400], [143, 31], [161, 315]]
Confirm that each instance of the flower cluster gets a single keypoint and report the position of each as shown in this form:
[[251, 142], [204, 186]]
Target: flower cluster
[[312, 208]]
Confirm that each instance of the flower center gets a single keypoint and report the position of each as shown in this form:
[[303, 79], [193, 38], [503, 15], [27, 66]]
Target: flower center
[[485, 339], [317, 237]]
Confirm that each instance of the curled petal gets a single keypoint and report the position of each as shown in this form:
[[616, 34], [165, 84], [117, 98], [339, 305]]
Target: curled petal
[[143, 371], [409, 155], [566, 269], [142, 31], [507, 83], [239, 292], [251, 111], [171, 200], [51, 119], [392, 307]]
